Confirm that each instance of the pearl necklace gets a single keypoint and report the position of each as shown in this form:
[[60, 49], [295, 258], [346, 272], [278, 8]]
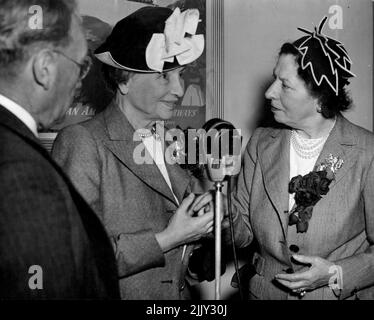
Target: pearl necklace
[[148, 133], [307, 148]]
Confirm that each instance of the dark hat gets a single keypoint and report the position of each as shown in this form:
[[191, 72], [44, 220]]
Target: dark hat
[[153, 39], [326, 58]]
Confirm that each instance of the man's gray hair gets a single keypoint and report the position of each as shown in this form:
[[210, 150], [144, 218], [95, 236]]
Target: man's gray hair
[[18, 37]]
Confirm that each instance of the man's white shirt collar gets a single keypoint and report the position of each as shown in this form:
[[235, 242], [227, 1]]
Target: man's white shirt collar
[[20, 113]]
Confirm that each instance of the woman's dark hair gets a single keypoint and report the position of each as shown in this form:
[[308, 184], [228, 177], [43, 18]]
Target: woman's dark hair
[[331, 104], [114, 76]]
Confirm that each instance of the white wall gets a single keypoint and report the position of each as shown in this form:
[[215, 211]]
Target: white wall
[[254, 32], [110, 11]]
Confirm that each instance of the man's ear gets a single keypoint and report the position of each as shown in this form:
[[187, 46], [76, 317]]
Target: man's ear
[[44, 68]]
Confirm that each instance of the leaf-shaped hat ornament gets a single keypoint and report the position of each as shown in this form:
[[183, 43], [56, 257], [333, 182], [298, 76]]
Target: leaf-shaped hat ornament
[[325, 57]]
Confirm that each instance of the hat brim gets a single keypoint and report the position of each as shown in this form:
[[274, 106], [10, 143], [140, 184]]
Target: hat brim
[[107, 58]]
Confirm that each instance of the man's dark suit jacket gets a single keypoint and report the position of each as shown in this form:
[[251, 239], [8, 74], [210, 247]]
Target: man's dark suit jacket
[[45, 222]]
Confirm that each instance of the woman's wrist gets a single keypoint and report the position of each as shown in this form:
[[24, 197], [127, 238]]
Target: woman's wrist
[[166, 240]]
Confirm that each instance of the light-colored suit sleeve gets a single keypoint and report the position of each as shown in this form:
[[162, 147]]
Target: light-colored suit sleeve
[[242, 194], [77, 152], [358, 270]]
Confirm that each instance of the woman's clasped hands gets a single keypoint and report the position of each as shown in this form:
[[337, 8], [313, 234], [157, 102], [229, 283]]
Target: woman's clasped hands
[[191, 221]]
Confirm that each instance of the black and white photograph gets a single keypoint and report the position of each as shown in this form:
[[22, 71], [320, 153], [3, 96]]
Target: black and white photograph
[[193, 155]]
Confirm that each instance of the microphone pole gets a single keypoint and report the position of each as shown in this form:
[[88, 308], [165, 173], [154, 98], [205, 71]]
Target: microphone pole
[[219, 167], [217, 233], [217, 175]]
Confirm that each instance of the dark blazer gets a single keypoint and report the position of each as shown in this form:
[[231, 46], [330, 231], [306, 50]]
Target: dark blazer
[[45, 222], [341, 229], [133, 201]]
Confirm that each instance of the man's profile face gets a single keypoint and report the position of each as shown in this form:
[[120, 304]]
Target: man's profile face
[[68, 80]]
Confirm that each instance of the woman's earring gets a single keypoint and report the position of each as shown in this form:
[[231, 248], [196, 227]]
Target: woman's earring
[[319, 109]]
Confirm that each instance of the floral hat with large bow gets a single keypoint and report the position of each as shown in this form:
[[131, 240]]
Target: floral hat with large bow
[[153, 39], [326, 58]]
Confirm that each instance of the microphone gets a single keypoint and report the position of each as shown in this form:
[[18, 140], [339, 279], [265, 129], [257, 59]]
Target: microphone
[[221, 149]]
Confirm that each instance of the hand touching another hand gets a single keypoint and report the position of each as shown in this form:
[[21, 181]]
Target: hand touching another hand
[[316, 274], [192, 220]]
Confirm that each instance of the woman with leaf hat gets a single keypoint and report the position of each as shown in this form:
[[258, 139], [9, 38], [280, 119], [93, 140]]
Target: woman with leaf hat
[[116, 160], [305, 192]]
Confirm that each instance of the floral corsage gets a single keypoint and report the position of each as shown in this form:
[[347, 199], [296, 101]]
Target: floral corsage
[[309, 189]]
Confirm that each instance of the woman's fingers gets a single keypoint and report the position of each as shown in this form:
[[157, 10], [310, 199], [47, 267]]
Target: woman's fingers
[[187, 202], [293, 285], [202, 201]]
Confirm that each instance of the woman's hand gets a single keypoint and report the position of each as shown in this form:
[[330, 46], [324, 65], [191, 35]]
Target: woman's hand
[[317, 274], [192, 220]]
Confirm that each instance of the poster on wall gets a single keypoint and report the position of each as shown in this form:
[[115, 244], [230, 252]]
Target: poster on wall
[[99, 17]]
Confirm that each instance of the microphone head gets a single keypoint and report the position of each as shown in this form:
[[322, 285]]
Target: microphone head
[[220, 149]]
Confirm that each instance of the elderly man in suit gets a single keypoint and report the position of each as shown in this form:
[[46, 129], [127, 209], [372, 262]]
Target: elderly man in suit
[[52, 245], [147, 207]]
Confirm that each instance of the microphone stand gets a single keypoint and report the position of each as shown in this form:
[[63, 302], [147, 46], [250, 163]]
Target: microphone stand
[[217, 235], [218, 169], [216, 172]]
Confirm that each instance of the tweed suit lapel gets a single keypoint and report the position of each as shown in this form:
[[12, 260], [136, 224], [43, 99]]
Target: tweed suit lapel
[[340, 143], [274, 158], [121, 143], [275, 162]]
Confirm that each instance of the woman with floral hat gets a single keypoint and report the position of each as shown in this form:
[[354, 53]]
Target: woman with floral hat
[[118, 159], [306, 190]]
